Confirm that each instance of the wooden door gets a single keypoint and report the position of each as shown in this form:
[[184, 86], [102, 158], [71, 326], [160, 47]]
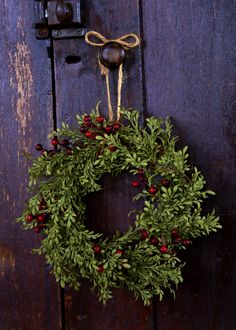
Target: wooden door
[[185, 68]]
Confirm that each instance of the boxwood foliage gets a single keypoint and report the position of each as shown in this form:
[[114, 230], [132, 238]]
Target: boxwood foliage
[[145, 258]]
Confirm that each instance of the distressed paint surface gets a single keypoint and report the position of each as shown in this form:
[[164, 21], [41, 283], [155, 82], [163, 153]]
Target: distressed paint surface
[[29, 299], [23, 83], [186, 69]]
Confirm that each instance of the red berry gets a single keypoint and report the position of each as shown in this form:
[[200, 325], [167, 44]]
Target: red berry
[[83, 129], [175, 232], [69, 152], [89, 134], [100, 269], [177, 240], [116, 126], [64, 142], [43, 202], [135, 184], [161, 149], [153, 240], [100, 119], [87, 119], [39, 147], [51, 153], [143, 180], [96, 248], [88, 124], [37, 229], [144, 234], [186, 242], [54, 141], [42, 205], [120, 252], [165, 183], [164, 249], [41, 217], [141, 171], [94, 135], [30, 217], [108, 129], [152, 190], [112, 148]]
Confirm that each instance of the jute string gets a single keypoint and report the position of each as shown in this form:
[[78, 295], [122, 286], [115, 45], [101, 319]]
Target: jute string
[[127, 45]]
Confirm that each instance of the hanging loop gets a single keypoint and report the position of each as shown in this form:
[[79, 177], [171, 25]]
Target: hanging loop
[[102, 41], [112, 56]]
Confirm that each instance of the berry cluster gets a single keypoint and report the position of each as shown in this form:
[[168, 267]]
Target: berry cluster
[[97, 250], [39, 219], [154, 241], [64, 144], [144, 235], [177, 239], [152, 189], [91, 129]]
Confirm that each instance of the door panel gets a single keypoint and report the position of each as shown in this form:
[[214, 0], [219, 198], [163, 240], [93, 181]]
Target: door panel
[[185, 69], [190, 75], [78, 89], [29, 299]]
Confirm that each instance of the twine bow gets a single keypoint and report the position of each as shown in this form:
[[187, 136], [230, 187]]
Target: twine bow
[[126, 45]]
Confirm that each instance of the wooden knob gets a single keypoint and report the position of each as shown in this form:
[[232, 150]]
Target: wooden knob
[[112, 55]]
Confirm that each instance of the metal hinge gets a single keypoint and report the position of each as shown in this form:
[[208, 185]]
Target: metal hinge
[[59, 19]]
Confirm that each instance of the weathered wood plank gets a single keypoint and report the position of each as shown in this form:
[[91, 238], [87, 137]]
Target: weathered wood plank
[[190, 75], [78, 88], [29, 299]]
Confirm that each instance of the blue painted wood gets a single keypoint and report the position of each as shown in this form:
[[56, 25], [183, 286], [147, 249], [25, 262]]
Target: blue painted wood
[[79, 87], [29, 299], [190, 75], [188, 72]]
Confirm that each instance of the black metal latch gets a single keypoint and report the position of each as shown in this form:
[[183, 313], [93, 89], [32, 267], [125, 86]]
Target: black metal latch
[[59, 19]]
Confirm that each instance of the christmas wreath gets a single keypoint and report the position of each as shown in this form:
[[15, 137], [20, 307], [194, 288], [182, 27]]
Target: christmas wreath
[[145, 258]]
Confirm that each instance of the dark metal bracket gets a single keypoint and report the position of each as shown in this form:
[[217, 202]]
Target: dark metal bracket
[[59, 19]]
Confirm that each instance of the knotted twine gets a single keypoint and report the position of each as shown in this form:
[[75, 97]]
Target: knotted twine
[[126, 45]]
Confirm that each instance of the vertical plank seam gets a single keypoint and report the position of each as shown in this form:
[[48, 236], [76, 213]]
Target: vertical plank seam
[[142, 62], [54, 97], [145, 114], [54, 109]]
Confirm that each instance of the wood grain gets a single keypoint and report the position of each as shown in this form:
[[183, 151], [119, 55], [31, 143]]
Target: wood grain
[[78, 88], [186, 70], [190, 75], [28, 297]]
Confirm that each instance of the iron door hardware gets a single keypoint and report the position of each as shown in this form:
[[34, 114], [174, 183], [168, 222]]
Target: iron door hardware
[[59, 19]]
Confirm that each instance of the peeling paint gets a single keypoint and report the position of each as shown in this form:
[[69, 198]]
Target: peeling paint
[[81, 317], [5, 194], [7, 261], [21, 79], [68, 301]]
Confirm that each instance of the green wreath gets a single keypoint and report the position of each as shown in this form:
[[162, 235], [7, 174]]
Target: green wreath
[[145, 257]]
